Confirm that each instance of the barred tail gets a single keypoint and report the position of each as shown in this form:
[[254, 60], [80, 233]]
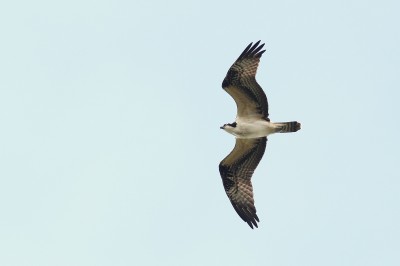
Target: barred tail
[[286, 127]]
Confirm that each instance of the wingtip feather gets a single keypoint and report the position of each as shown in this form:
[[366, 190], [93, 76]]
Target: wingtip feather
[[252, 50], [245, 51]]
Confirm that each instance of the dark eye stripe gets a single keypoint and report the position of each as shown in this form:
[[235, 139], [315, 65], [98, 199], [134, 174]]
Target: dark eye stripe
[[233, 124]]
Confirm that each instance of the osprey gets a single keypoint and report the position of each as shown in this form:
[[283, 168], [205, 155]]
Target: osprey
[[251, 128]]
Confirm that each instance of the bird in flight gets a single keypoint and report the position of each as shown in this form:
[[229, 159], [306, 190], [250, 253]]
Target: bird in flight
[[251, 129]]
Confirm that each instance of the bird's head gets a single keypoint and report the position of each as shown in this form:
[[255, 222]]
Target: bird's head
[[228, 127]]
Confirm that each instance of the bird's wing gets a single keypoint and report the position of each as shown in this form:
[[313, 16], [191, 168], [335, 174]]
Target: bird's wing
[[236, 171], [240, 82]]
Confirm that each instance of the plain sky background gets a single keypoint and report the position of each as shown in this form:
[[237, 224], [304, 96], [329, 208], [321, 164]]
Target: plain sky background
[[110, 139]]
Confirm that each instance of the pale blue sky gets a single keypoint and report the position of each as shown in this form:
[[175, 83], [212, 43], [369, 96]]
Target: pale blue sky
[[110, 139]]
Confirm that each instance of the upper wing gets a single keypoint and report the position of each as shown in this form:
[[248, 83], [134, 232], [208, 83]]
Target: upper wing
[[240, 82], [236, 171]]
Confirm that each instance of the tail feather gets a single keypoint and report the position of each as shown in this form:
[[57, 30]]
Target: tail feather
[[286, 127]]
